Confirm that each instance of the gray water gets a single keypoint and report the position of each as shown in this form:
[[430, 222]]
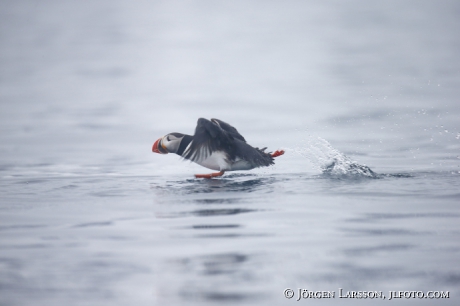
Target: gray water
[[362, 95]]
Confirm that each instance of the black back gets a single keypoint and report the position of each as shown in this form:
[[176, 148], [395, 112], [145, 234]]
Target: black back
[[216, 135], [183, 144], [229, 129]]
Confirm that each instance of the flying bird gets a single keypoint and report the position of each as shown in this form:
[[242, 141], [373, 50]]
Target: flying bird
[[216, 145]]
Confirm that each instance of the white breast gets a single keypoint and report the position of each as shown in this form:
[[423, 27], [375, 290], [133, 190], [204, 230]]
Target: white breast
[[218, 161]]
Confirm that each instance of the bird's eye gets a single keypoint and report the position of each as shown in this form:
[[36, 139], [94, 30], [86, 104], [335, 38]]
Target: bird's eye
[[167, 138]]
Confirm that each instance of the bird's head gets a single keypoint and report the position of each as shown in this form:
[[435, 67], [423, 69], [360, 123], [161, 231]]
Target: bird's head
[[168, 144]]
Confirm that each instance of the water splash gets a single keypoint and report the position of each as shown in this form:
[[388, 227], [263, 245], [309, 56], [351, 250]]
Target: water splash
[[331, 162]]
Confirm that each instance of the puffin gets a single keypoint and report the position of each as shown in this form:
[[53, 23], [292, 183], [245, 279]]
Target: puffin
[[215, 145]]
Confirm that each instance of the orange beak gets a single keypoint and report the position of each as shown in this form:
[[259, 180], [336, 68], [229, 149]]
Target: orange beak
[[157, 150]]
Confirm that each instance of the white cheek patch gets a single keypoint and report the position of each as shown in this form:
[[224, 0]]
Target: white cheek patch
[[172, 144]]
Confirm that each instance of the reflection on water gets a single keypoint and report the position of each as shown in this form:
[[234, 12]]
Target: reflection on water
[[219, 212], [369, 251], [230, 268], [372, 218], [215, 264], [215, 194], [360, 243], [229, 246], [91, 224], [233, 183], [219, 201], [215, 226], [384, 232]]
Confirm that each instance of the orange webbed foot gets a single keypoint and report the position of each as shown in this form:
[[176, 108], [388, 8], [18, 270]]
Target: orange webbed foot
[[277, 153], [211, 175]]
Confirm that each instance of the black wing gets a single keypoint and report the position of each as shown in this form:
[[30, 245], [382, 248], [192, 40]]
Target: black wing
[[257, 157], [229, 129], [216, 135], [209, 137]]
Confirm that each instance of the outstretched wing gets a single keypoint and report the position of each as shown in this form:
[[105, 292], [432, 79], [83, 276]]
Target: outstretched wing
[[209, 137], [229, 129], [255, 156]]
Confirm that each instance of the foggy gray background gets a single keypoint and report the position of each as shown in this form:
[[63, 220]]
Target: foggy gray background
[[75, 75]]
